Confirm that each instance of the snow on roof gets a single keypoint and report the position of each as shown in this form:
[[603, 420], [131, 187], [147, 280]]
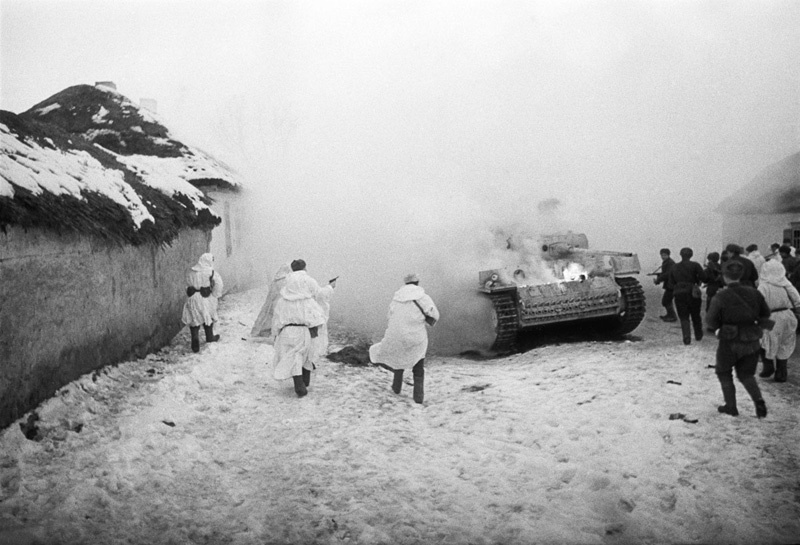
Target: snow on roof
[[51, 181], [171, 176], [37, 169], [47, 109], [88, 142], [105, 117], [98, 117]]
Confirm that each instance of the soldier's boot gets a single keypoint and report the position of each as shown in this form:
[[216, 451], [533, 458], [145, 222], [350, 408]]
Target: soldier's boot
[[299, 386], [752, 388], [670, 316], [781, 370], [210, 337], [397, 382], [194, 331], [686, 329], [729, 395], [419, 389], [307, 377], [769, 368], [761, 408], [698, 330], [419, 382]]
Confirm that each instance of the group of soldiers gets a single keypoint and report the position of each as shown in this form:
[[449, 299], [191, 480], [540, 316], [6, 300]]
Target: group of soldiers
[[295, 315], [751, 307]]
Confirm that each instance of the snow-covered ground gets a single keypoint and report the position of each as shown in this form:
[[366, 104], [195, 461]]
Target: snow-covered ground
[[577, 442]]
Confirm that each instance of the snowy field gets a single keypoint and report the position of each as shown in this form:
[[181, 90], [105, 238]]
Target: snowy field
[[566, 443]]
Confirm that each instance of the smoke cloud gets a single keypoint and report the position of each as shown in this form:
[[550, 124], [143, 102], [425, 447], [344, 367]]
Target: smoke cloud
[[372, 234], [410, 140], [381, 138]]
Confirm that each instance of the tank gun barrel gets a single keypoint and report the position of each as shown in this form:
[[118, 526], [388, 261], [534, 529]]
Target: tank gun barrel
[[563, 249]]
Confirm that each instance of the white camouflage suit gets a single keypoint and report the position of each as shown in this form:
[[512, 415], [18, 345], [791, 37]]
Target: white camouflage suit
[[296, 310], [405, 341], [199, 310]]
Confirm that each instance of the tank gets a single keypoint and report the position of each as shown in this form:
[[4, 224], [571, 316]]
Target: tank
[[584, 286]]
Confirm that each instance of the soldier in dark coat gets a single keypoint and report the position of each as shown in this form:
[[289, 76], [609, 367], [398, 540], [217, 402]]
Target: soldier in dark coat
[[750, 274], [686, 277], [663, 278], [714, 281], [738, 313]]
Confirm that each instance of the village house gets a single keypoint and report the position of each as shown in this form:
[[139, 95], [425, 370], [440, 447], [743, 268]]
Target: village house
[[767, 209], [102, 212]]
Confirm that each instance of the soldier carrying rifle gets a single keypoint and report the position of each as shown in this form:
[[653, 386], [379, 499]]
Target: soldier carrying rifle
[[663, 277]]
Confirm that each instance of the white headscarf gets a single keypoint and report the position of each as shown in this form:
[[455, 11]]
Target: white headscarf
[[205, 263], [773, 272]]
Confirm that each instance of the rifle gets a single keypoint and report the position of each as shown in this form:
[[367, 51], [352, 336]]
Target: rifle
[[655, 272]]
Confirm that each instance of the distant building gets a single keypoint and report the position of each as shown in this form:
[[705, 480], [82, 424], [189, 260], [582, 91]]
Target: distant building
[[767, 209], [792, 234]]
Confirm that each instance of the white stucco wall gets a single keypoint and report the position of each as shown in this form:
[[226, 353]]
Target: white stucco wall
[[232, 243]]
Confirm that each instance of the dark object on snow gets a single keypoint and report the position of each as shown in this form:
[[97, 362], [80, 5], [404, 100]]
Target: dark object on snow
[[29, 427], [169, 423], [472, 355], [475, 388], [351, 355], [673, 382], [681, 416]]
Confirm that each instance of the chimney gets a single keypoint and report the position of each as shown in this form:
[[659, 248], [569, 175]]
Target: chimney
[[109, 84], [149, 104]]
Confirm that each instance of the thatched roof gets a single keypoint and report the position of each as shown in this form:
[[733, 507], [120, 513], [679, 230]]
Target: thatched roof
[[89, 160], [776, 190]]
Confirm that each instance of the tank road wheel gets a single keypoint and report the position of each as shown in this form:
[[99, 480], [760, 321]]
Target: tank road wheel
[[633, 305], [505, 320]]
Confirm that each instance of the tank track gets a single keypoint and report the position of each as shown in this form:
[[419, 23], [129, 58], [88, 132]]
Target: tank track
[[633, 297], [507, 327]]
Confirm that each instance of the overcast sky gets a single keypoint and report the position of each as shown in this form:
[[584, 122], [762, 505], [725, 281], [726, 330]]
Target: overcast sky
[[631, 119]]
